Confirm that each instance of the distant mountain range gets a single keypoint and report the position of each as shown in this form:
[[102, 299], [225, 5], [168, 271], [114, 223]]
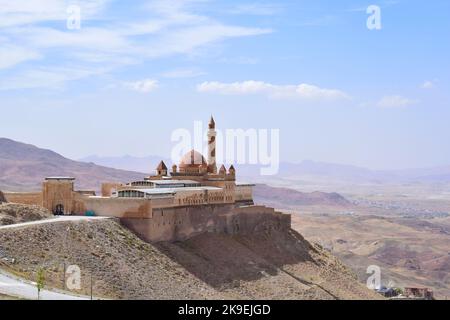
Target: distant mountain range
[[129, 163], [305, 170], [24, 166], [284, 198]]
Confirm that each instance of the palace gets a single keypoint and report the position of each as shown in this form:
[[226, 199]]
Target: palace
[[192, 198]]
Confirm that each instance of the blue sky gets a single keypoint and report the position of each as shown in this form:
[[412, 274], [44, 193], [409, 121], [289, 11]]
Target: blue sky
[[137, 70]]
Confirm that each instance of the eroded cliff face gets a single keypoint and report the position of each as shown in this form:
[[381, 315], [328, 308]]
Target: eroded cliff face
[[267, 264]]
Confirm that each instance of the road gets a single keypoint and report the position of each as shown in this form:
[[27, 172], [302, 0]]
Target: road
[[15, 287], [52, 220]]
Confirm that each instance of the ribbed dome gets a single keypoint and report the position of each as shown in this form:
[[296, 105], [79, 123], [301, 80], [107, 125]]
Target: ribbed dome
[[192, 159]]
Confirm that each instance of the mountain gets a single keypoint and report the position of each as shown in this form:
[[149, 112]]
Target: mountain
[[129, 163], [24, 166], [285, 198], [308, 170], [349, 173]]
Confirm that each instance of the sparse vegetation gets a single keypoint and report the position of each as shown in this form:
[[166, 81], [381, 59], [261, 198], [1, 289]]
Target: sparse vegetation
[[40, 281]]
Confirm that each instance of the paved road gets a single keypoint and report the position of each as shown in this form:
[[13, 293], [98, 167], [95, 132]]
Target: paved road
[[19, 288], [52, 220]]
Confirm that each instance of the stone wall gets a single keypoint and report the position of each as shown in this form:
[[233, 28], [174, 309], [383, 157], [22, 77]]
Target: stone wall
[[119, 207], [30, 198], [181, 223]]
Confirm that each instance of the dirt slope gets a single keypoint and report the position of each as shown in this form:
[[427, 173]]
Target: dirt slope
[[11, 213], [209, 266]]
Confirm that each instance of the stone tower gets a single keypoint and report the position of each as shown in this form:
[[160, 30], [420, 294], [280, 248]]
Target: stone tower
[[161, 170], [212, 167]]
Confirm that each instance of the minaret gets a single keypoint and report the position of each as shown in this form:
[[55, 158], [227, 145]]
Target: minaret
[[212, 168]]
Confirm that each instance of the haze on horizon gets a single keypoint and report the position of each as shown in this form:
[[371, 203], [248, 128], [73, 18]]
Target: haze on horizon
[[131, 75]]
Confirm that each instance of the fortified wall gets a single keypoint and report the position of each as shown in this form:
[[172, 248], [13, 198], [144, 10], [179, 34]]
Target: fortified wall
[[178, 224]]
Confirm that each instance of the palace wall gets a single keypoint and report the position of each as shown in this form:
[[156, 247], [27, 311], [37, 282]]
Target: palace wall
[[30, 198], [243, 193], [181, 223], [118, 207]]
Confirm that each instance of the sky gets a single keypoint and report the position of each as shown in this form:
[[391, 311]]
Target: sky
[[124, 76]]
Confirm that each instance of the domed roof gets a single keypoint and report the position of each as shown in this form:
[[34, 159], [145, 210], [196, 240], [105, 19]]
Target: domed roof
[[192, 159]]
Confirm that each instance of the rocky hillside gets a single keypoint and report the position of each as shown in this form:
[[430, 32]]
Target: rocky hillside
[[12, 213], [24, 166], [286, 198], [209, 266]]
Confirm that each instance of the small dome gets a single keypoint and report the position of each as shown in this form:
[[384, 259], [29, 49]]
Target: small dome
[[192, 159]]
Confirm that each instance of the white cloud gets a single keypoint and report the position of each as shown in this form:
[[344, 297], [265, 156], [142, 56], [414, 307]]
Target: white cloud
[[169, 27], [26, 12], [396, 101], [143, 86], [427, 85], [301, 91]]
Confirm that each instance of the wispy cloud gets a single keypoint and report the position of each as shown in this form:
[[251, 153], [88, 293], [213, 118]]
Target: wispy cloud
[[301, 91], [11, 55], [396, 101], [50, 77], [428, 85], [170, 28]]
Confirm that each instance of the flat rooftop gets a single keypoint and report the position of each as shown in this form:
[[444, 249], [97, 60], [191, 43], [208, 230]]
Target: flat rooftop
[[168, 182], [155, 191], [175, 190], [60, 178], [244, 184]]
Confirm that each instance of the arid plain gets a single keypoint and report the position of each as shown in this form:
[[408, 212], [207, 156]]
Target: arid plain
[[404, 229]]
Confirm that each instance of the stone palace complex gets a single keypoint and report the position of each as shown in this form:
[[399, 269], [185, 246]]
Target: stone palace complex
[[192, 198]]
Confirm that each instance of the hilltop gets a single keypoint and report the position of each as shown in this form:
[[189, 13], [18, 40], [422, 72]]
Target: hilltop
[[209, 266], [24, 166]]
